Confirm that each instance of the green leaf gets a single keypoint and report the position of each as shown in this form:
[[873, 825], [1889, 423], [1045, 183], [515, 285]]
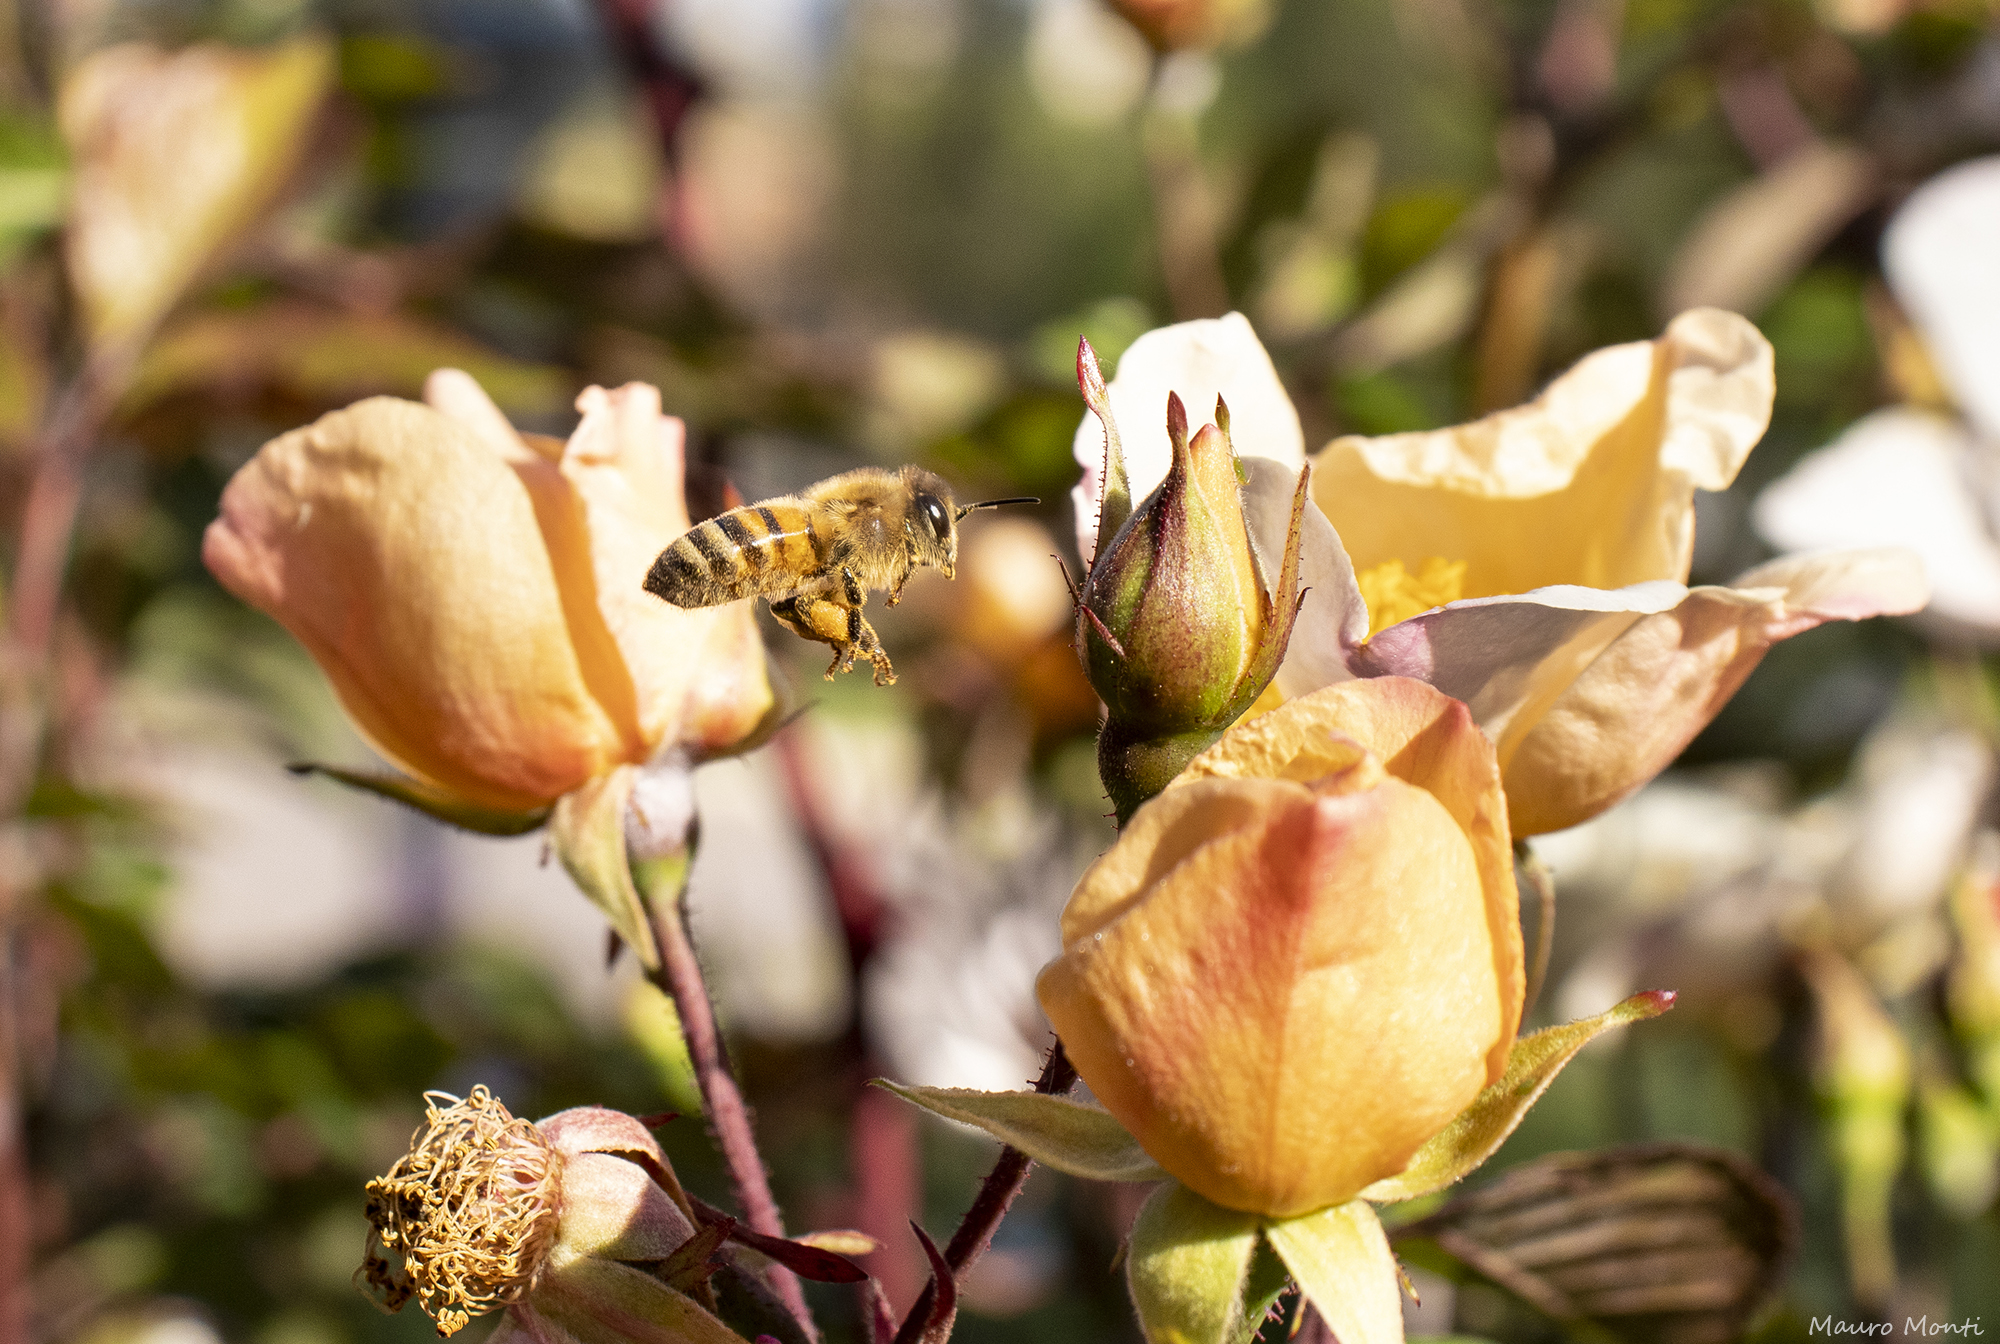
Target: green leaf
[[1345, 1269], [1067, 1135], [430, 800], [1187, 1265], [589, 833], [1481, 1127]]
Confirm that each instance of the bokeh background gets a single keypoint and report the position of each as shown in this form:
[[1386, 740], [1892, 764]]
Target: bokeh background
[[846, 231]]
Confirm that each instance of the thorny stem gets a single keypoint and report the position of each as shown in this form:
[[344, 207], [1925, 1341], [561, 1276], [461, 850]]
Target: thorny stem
[[680, 978], [1543, 884], [996, 1192]]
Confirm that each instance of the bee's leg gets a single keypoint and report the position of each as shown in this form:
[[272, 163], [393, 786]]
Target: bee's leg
[[896, 588], [825, 621], [861, 636], [870, 647]]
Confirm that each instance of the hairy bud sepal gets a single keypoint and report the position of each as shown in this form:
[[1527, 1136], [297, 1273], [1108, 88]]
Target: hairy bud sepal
[[1180, 627]]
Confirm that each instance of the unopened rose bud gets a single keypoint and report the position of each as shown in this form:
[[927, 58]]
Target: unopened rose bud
[[1180, 624]]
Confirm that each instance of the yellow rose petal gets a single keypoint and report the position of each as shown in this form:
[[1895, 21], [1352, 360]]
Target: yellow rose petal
[[1592, 483]]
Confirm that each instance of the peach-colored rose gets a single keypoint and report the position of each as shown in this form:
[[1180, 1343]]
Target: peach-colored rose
[[1303, 959], [474, 594]]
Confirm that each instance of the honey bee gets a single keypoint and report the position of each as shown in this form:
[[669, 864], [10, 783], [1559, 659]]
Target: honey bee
[[814, 556]]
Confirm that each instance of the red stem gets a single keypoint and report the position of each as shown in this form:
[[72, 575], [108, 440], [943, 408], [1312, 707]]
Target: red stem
[[996, 1192], [680, 978]]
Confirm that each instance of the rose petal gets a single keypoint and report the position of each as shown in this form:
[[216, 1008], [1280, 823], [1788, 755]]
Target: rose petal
[[1592, 483], [1940, 257], [1639, 703], [1333, 619], [1508, 658], [612, 1208], [1899, 477], [456, 393], [1267, 1092], [407, 558], [698, 675], [593, 1129], [1200, 361], [1419, 734]]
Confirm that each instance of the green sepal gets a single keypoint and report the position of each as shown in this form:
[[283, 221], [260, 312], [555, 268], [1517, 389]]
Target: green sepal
[[1344, 1267], [588, 829], [746, 1302], [1187, 1266], [1057, 1132], [1281, 609], [1480, 1128], [1267, 1282], [1116, 486], [595, 1301], [430, 800]]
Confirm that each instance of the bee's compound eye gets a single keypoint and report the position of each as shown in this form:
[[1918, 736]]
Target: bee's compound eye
[[935, 517]]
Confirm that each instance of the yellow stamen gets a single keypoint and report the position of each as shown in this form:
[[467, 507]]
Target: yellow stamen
[[1394, 594], [472, 1208]]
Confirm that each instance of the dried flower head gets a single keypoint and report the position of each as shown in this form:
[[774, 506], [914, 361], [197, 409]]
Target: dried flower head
[[472, 1209]]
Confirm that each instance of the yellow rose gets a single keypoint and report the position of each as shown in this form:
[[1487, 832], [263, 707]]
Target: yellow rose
[[1533, 563], [474, 594], [1303, 960]]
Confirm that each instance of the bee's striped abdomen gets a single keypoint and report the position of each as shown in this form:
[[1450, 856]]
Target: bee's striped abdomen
[[766, 549]]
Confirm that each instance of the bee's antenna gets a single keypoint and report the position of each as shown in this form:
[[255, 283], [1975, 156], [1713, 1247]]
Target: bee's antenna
[[996, 503]]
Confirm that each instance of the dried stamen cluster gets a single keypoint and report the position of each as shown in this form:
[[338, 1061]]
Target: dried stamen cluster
[[472, 1209]]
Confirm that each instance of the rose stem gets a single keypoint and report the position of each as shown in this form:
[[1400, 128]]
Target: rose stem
[[996, 1192], [680, 978], [1543, 884]]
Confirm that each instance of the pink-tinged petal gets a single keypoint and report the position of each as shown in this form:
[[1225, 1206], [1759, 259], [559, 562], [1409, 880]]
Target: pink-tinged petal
[[1509, 658], [1624, 718], [1200, 361], [613, 1208], [1592, 483], [1333, 619], [408, 559], [1899, 477], [1420, 736], [1289, 1090], [593, 1129], [698, 676], [1942, 260]]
